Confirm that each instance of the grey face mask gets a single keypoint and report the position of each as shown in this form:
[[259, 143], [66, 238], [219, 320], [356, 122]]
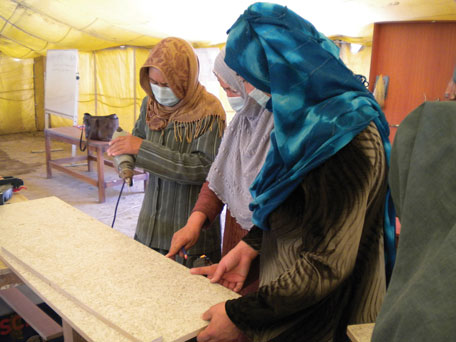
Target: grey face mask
[[164, 95], [260, 97], [237, 103]]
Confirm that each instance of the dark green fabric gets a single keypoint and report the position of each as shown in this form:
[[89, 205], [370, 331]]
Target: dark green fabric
[[420, 304]]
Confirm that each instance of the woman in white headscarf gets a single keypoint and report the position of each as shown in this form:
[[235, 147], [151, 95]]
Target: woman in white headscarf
[[241, 155]]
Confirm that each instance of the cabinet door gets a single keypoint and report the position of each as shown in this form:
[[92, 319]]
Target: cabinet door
[[419, 58]]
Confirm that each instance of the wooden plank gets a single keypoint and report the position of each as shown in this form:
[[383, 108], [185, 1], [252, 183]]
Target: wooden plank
[[74, 174], [69, 160], [45, 326], [127, 285], [87, 325], [360, 332]]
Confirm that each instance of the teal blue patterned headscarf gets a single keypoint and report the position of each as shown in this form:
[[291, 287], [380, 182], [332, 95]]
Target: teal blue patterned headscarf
[[318, 104]]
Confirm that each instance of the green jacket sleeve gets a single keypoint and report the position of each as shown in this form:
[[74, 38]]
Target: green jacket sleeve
[[167, 162]]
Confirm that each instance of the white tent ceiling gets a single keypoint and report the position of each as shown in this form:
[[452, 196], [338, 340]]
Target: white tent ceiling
[[208, 20], [29, 28]]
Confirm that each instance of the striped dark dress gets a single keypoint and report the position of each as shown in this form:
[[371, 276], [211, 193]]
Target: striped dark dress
[[322, 261]]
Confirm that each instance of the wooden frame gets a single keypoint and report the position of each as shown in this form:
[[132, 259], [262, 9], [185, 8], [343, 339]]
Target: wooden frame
[[71, 135]]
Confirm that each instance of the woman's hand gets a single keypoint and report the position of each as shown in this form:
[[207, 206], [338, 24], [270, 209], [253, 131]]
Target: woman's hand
[[233, 269], [220, 327], [128, 144], [187, 236]]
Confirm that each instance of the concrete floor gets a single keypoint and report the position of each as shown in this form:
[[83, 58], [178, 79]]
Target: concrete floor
[[22, 156]]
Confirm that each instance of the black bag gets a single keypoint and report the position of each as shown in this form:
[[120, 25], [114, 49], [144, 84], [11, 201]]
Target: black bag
[[99, 128]]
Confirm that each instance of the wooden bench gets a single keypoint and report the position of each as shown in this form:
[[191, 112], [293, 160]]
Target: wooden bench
[[71, 135]]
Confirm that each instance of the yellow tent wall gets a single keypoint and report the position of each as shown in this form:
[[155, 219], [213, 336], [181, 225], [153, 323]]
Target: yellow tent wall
[[17, 104], [108, 84]]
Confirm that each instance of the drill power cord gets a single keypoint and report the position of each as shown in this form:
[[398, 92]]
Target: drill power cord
[[117, 204]]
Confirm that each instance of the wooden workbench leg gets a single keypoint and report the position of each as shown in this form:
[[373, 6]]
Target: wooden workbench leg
[[47, 144], [69, 335], [100, 171], [89, 165]]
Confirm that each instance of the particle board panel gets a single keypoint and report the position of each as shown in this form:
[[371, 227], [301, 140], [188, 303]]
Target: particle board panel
[[87, 325], [86, 310], [127, 285], [16, 198]]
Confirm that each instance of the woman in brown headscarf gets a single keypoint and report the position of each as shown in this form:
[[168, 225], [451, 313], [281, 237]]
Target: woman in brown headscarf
[[175, 140]]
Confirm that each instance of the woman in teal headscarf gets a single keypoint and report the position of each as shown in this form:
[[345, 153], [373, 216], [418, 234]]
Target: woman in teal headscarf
[[320, 202]]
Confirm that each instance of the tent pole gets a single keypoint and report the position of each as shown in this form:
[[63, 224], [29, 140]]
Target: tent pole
[[95, 81], [134, 86]]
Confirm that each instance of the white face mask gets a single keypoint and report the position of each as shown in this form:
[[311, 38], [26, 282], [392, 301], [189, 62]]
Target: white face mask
[[260, 97], [237, 103], [164, 95]]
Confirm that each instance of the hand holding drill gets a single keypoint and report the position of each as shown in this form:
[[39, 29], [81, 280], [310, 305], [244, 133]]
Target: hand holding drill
[[122, 147]]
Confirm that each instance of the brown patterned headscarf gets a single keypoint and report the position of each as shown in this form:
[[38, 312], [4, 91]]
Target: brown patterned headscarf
[[177, 60]]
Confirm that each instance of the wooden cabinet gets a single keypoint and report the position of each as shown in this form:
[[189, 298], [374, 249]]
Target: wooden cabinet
[[418, 57]]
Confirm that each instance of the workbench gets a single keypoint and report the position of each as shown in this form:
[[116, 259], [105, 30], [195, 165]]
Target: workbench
[[95, 153], [105, 285]]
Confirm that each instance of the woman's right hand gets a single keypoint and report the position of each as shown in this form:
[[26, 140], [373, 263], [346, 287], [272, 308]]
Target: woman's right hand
[[187, 236]]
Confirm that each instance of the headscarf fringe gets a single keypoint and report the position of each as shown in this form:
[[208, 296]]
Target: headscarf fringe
[[192, 130]]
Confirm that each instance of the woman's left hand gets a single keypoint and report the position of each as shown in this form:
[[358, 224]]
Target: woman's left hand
[[220, 327], [128, 144]]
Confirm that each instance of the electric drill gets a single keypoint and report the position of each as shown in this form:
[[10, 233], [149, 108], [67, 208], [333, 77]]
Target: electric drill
[[125, 163]]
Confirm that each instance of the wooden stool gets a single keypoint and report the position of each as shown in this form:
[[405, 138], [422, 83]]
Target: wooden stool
[[71, 135]]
